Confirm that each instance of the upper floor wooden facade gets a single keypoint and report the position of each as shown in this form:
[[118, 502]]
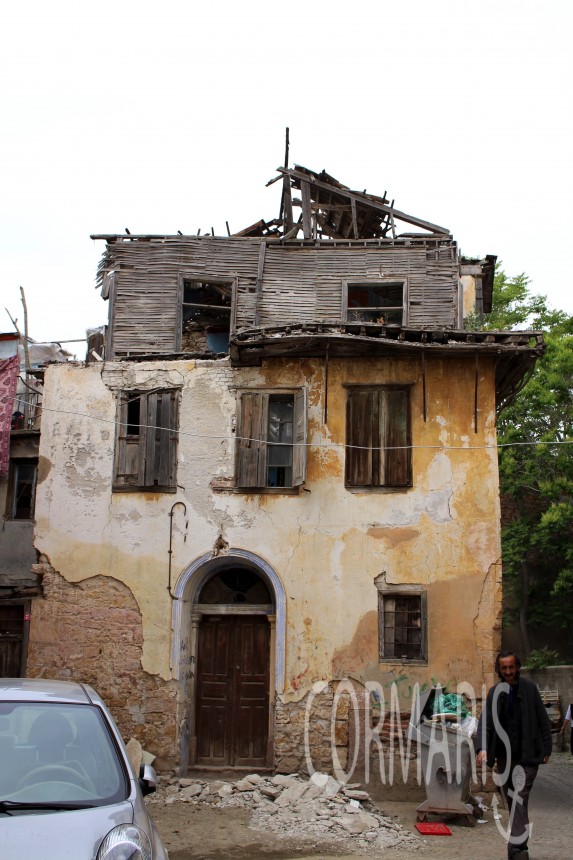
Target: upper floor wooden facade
[[339, 280]]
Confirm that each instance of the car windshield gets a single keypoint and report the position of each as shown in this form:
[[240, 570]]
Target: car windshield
[[54, 752]]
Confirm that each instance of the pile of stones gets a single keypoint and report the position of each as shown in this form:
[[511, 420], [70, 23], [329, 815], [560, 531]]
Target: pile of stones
[[319, 808]]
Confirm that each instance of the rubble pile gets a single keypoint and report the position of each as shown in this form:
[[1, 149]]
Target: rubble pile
[[319, 808]]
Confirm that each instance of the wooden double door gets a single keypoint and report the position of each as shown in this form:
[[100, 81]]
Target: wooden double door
[[232, 716]]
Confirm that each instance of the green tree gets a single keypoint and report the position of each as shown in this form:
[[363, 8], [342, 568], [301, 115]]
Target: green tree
[[535, 435]]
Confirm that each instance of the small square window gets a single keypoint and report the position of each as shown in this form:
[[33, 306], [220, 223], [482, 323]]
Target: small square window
[[402, 622]]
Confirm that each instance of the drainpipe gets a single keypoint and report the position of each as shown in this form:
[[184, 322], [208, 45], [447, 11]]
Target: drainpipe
[[173, 506]]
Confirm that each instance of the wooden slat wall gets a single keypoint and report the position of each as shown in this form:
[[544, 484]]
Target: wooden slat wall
[[146, 308], [299, 283], [304, 284]]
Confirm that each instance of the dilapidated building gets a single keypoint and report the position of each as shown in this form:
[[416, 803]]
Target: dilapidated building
[[22, 363], [280, 468]]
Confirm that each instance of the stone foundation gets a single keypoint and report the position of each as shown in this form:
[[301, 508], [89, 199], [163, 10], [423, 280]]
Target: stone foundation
[[387, 765], [289, 742], [91, 631]]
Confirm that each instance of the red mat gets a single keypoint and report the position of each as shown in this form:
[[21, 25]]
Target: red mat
[[431, 828]]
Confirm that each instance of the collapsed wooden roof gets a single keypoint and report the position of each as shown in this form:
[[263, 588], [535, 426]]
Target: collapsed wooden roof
[[330, 210]]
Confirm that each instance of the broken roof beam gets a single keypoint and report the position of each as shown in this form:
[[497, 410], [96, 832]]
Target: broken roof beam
[[365, 200], [306, 210], [286, 207], [327, 228]]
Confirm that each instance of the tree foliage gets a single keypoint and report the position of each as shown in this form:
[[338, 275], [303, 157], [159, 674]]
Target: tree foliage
[[535, 435]]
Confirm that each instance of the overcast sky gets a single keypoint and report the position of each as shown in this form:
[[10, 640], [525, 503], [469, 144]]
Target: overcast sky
[[172, 116]]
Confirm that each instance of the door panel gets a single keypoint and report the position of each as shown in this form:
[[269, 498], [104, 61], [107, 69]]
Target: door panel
[[11, 640], [233, 691]]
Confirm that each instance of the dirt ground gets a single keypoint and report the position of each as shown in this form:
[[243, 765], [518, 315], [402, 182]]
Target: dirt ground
[[202, 832]]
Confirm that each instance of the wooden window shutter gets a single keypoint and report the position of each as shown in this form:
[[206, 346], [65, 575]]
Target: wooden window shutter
[[396, 436], [251, 441], [299, 450], [147, 459], [161, 439], [129, 466], [362, 438], [378, 437]]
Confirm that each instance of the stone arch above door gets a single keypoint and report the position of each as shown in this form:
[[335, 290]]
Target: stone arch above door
[[189, 586]]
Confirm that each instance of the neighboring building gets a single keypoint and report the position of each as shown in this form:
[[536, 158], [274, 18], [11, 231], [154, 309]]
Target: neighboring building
[[283, 471], [21, 376]]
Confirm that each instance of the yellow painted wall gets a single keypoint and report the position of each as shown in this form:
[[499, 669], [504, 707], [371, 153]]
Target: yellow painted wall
[[327, 545]]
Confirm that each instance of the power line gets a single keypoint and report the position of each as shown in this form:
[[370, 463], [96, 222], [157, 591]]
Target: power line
[[332, 445]]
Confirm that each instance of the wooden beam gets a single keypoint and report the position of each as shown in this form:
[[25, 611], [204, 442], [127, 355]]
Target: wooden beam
[[306, 210], [259, 288], [354, 220], [287, 205], [363, 200], [327, 228]]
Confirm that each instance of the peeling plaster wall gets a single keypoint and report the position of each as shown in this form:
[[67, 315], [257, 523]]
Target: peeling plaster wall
[[327, 545]]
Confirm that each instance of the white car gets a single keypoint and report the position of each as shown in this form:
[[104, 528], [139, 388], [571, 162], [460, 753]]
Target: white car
[[67, 789]]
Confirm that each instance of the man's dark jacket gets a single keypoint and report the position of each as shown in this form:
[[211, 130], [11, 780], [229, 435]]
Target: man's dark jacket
[[535, 725]]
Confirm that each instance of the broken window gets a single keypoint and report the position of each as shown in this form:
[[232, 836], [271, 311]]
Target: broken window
[[378, 437], [22, 489], [206, 315], [146, 441], [271, 439], [376, 302]]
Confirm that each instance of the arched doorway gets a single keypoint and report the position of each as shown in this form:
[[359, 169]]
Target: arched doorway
[[229, 633]]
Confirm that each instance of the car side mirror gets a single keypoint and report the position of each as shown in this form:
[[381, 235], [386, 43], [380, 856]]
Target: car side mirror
[[147, 779]]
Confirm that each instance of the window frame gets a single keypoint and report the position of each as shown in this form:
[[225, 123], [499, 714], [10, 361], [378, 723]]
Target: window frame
[[201, 278], [251, 451], [375, 461], [147, 461], [14, 483], [376, 282], [390, 591]]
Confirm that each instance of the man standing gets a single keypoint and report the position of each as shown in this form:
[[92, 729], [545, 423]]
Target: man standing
[[514, 732]]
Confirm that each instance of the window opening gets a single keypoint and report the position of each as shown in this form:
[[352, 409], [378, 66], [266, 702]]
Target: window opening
[[381, 303], [402, 621], [378, 437], [235, 586], [403, 627], [206, 316], [22, 494], [280, 438], [133, 416], [146, 441], [271, 439]]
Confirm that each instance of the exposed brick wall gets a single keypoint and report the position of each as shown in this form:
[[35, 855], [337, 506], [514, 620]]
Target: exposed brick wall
[[392, 770], [289, 744], [91, 631]]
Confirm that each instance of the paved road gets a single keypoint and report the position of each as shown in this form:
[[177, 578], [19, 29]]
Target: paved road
[[549, 811]]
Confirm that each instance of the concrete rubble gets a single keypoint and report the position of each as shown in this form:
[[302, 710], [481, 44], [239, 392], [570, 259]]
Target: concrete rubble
[[319, 808]]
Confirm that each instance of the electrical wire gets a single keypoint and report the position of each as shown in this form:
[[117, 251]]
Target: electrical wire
[[328, 445]]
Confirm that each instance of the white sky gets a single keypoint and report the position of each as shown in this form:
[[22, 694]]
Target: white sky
[[171, 116]]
